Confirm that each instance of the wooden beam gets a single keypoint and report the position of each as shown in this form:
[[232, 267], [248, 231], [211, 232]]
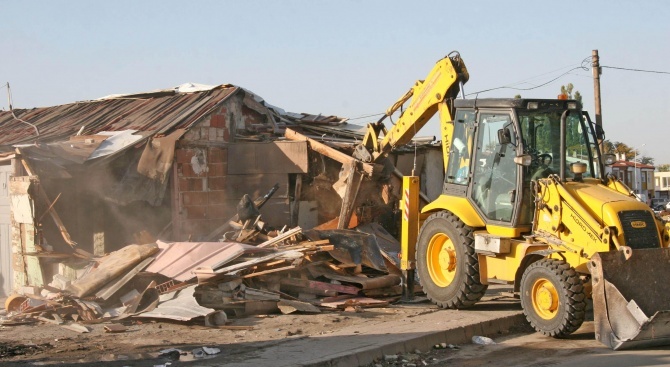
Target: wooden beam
[[329, 152], [284, 236], [43, 196], [354, 180]]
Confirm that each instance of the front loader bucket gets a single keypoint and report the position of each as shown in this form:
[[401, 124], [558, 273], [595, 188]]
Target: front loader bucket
[[631, 297]]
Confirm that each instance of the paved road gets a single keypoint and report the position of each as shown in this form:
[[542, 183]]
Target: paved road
[[534, 349]]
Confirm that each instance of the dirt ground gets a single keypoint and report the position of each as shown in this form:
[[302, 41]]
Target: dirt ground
[[45, 344]]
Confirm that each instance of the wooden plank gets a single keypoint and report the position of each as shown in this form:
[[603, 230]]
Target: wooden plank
[[289, 306], [269, 271], [312, 284], [110, 288], [284, 236], [364, 302], [275, 157]]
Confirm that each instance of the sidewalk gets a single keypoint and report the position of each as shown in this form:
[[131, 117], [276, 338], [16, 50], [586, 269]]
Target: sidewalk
[[355, 347]]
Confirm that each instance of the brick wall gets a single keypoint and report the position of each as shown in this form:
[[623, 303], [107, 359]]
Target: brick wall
[[207, 196], [204, 195]]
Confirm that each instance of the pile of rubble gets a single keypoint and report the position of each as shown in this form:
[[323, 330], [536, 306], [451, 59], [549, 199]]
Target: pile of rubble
[[249, 271]]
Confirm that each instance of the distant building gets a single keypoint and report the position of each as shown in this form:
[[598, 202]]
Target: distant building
[[637, 176], [662, 185]]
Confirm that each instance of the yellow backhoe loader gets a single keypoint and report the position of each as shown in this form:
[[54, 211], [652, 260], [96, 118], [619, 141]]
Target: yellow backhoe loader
[[526, 201]]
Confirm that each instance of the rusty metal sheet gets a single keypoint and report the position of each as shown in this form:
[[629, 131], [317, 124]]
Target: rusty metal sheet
[[178, 260], [153, 113]]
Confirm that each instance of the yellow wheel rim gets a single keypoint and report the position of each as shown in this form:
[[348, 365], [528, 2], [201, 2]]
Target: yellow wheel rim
[[441, 259], [545, 299]]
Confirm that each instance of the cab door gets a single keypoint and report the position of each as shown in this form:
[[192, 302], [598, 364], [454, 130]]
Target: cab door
[[495, 174]]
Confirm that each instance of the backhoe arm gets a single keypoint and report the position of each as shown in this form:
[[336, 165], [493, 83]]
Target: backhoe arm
[[425, 97]]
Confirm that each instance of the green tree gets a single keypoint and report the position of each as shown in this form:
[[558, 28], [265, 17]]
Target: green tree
[[646, 160], [620, 147], [567, 90], [518, 96], [665, 167], [608, 147]]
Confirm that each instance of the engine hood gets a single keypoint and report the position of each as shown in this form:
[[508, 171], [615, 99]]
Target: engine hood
[[614, 209]]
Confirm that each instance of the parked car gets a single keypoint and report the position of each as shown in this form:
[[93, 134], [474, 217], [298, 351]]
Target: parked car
[[660, 204]]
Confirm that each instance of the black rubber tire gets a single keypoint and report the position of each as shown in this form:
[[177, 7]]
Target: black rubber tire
[[465, 289], [571, 297]]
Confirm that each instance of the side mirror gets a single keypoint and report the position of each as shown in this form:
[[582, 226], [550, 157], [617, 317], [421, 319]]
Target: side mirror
[[504, 136], [609, 159], [523, 160]]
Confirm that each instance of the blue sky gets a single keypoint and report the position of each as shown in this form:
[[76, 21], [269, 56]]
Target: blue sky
[[347, 58]]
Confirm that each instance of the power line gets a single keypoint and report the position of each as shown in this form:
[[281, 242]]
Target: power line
[[366, 116], [585, 64], [531, 88], [638, 70]]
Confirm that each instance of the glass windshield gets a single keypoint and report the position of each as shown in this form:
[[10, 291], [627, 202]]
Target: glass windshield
[[541, 135]]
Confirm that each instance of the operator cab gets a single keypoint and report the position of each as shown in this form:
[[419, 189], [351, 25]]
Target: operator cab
[[499, 146]]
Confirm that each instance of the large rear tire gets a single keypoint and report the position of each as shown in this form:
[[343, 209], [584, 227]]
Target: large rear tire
[[446, 262], [553, 298]]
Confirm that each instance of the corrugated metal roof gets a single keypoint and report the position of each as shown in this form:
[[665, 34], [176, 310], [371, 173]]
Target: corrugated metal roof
[[632, 164], [151, 113]]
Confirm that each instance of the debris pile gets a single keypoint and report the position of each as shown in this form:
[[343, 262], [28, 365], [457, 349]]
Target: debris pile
[[249, 271]]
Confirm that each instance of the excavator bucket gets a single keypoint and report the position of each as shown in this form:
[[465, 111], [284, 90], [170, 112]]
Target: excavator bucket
[[631, 297]]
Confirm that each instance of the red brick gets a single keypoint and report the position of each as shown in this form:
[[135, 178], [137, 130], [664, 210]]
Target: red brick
[[184, 155], [218, 155], [217, 183], [217, 197], [190, 184], [220, 212], [218, 121], [185, 170], [217, 169], [194, 198], [196, 212]]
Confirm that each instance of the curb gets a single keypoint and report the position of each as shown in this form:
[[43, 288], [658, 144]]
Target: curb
[[457, 335]]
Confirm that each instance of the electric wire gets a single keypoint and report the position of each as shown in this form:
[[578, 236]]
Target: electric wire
[[11, 109], [638, 70], [583, 66]]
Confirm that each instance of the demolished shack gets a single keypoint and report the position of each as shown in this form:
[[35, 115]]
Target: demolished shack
[[198, 165]]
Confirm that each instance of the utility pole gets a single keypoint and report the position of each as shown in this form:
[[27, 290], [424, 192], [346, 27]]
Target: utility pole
[[595, 63]]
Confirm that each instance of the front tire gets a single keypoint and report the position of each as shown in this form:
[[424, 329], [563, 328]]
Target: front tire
[[446, 262], [553, 298]]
